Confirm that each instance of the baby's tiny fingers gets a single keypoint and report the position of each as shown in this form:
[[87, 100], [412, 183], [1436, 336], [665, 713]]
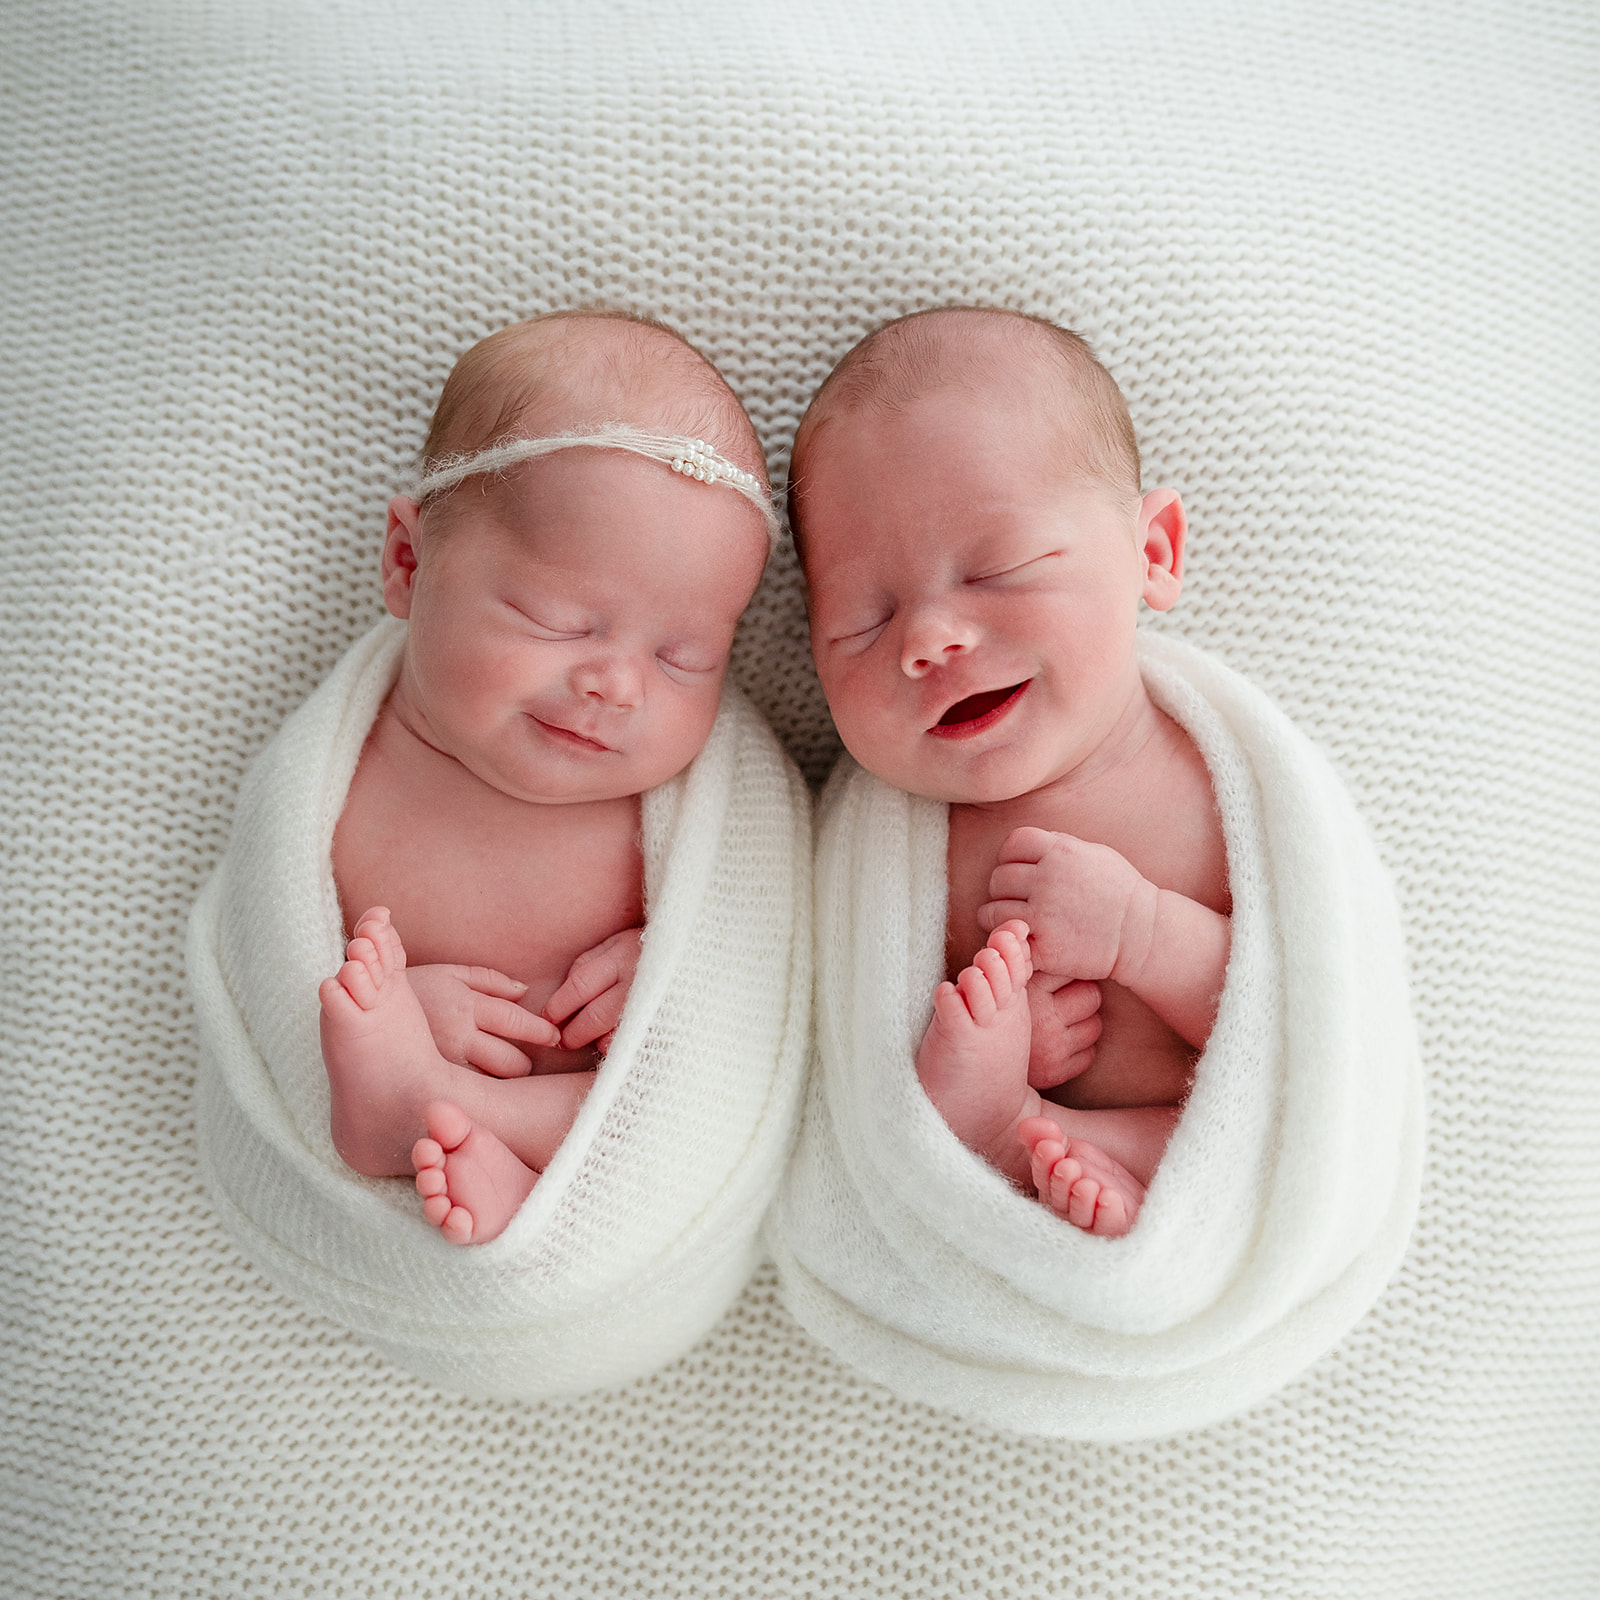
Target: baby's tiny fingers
[[1027, 844], [1077, 1001], [591, 975], [598, 1018], [496, 1057], [994, 912], [1077, 1037], [511, 1021], [487, 981], [1078, 1063], [1012, 880]]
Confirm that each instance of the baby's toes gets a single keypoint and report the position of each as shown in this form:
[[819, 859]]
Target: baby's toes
[[355, 978], [1042, 1163], [448, 1125], [457, 1226], [949, 1006], [1082, 1195], [1010, 942], [1056, 1191], [1111, 1218], [1040, 1166], [391, 954], [992, 964], [978, 993], [436, 1208]]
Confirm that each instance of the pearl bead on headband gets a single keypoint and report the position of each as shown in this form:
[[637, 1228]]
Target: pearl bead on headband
[[694, 458]]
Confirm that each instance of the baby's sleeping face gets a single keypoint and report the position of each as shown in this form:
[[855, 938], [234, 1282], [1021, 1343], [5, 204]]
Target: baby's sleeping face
[[973, 600], [570, 624]]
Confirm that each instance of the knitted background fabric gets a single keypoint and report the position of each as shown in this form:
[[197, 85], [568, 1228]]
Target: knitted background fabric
[[1341, 259]]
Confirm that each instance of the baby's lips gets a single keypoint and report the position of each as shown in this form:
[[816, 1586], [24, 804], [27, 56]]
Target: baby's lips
[[981, 705], [555, 726]]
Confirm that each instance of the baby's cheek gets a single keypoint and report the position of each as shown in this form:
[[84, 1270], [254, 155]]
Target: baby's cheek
[[859, 703], [685, 720]]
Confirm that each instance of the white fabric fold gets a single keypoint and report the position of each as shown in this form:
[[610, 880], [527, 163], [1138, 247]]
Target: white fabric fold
[[645, 1226], [1283, 1202]]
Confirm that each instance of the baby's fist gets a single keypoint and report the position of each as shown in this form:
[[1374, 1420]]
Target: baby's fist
[[1075, 896]]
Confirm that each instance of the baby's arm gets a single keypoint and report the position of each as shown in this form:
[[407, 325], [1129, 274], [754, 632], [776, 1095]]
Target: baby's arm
[[1093, 915], [473, 1016]]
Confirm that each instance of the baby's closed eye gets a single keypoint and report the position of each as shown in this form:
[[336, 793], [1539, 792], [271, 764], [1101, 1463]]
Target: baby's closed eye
[[690, 660], [1017, 569], [861, 636], [549, 625]]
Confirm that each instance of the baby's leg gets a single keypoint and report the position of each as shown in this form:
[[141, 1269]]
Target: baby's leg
[[471, 1184], [1074, 1161], [384, 1069], [973, 1060]]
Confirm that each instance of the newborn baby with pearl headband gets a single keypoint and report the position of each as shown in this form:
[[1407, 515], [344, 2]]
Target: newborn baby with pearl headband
[[570, 608]]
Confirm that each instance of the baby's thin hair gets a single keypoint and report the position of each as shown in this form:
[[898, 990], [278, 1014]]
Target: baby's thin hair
[[495, 384], [898, 363]]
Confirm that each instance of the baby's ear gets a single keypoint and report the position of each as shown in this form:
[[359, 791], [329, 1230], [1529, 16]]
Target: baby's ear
[[1162, 526], [400, 554]]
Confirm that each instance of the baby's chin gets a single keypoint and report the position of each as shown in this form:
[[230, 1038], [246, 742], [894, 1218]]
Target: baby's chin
[[559, 784], [986, 781]]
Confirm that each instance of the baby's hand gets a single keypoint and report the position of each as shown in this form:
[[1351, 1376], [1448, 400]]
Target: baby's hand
[[473, 1015], [589, 1003], [1076, 898], [1066, 1026]]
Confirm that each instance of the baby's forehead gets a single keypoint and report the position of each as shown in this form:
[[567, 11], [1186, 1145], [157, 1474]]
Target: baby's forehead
[[561, 375], [969, 351]]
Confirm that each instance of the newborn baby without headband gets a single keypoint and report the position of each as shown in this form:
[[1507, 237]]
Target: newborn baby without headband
[[693, 458]]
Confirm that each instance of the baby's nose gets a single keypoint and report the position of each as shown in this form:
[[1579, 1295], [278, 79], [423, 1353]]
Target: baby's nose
[[934, 641], [613, 680]]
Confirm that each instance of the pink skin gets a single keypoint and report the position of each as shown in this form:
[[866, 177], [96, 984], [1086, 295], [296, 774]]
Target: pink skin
[[474, 1016], [389, 1081], [387, 1078], [471, 1184], [973, 1061], [1078, 1181], [582, 661], [973, 604], [569, 630]]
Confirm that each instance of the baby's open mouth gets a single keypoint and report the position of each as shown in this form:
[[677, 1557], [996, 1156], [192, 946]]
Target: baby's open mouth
[[979, 710]]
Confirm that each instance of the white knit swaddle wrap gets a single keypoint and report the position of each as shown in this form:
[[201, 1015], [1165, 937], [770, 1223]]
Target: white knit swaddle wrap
[[643, 1228], [1281, 1206]]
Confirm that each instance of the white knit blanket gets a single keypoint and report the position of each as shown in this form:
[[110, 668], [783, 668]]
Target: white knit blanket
[[644, 1227], [1284, 1199]]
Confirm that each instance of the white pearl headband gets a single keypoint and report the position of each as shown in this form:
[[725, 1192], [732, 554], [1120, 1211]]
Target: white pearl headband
[[694, 458]]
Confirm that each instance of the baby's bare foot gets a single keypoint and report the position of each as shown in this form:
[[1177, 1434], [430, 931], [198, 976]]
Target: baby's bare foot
[[1079, 1181], [973, 1060], [378, 1050], [471, 1184]]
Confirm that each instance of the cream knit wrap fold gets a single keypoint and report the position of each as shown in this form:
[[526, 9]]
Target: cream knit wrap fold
[[643, 1228], [1282, 1204]]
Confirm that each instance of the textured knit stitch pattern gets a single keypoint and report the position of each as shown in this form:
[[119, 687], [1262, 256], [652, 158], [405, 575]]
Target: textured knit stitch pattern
[[644, 1227], [1285, 1196], [1340, 257]]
